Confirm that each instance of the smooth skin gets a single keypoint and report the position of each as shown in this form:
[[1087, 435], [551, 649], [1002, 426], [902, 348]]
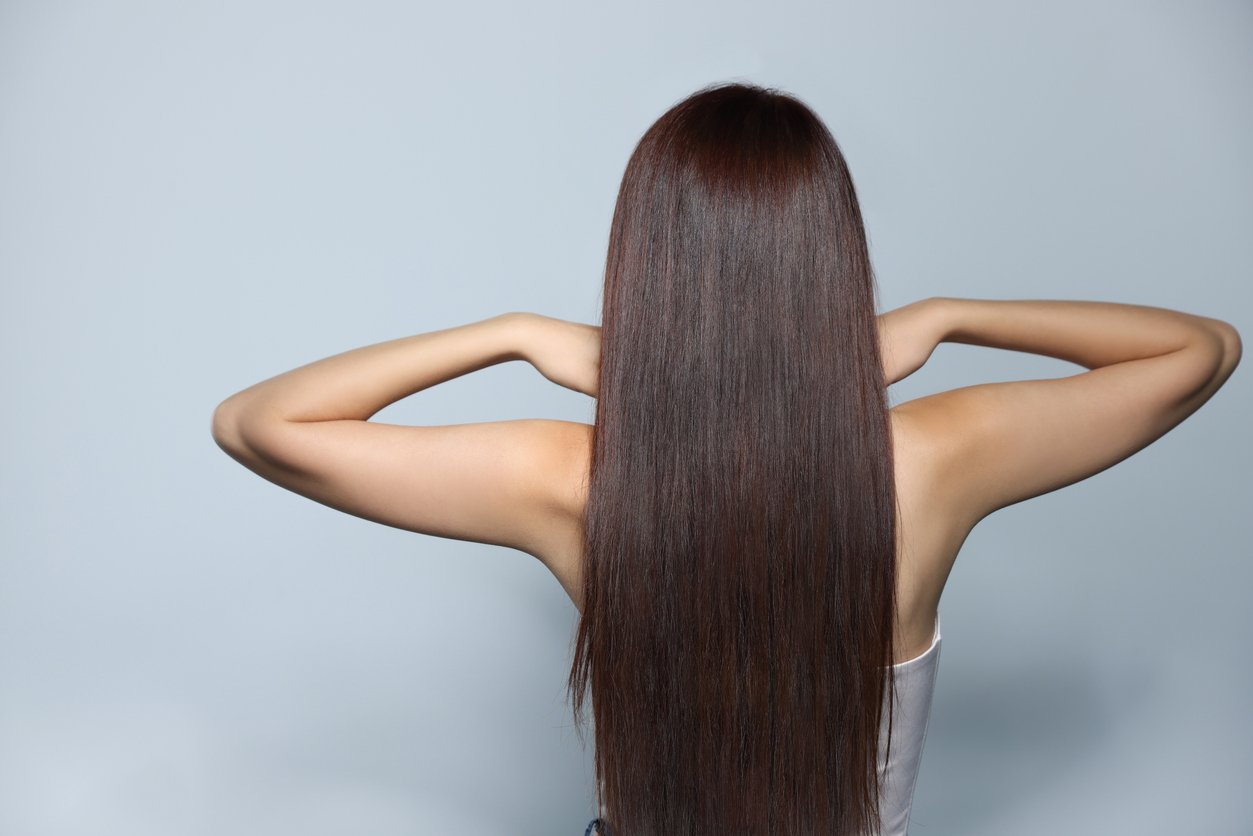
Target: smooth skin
[[960, 454]]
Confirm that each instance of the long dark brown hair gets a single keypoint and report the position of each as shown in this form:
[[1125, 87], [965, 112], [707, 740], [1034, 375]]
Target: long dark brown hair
[[740, 573]]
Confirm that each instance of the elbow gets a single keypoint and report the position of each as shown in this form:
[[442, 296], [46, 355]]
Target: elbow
[[1221, 354], [223, 427], [226, 425], [245, 435], [1234, 347], [1231, 348]]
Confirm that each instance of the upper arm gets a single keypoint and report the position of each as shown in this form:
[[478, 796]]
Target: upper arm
[[1002, 443], [505, 483]]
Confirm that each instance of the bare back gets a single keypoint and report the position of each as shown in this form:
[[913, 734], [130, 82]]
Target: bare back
[[962, 454], [929, 533]]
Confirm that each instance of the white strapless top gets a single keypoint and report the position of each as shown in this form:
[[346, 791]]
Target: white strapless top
[[915, 685]]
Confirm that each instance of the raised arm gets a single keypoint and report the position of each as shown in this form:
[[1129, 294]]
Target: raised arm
[[1000, 443]]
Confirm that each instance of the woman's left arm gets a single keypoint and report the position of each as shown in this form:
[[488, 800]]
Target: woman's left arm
[[500, 482]]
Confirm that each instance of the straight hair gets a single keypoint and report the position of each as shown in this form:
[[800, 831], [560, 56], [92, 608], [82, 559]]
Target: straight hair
[[739, 580]]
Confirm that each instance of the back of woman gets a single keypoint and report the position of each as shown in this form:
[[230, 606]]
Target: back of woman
[[757, 540], [766, 541]]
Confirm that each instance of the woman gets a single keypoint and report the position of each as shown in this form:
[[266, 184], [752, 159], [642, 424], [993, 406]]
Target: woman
[[756, 541]]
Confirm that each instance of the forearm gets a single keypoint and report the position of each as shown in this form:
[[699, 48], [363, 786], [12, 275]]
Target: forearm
[[358, 383], [1091, 334]]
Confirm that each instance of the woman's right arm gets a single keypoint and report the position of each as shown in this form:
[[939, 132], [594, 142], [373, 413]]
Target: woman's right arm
[[1001, 443]]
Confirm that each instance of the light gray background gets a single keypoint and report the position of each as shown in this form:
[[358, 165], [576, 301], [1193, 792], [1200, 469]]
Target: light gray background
[[195, 196]]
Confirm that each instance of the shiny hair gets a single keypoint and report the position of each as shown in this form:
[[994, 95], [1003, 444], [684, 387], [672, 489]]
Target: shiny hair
[[740, 570]]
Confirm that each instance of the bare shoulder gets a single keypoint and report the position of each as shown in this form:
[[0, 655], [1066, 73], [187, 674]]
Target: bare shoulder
[[997, 444], [571, 451], [567, 452], [928, 443], [933, 523]]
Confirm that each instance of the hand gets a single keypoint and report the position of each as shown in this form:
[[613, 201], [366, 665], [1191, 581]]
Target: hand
[[567, 353], [907, 337]]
